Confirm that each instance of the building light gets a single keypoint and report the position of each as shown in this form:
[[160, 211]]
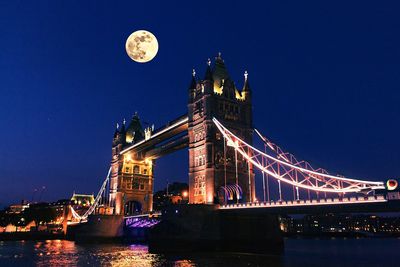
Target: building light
[[148, 161]]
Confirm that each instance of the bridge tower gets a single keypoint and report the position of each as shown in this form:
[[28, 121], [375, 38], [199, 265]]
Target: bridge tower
[[131, 182], [213, 166]]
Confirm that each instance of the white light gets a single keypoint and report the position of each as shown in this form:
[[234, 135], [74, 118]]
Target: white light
[[155, 135], [224, 131]]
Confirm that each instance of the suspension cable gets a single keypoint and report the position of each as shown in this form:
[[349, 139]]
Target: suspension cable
[[327, 186]]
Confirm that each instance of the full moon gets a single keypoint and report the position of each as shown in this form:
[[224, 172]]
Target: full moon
[[141, 46]]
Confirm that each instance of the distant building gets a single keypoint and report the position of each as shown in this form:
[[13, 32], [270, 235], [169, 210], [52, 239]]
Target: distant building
[[82, 199], [340, 223], [177, 193], [17, 208]]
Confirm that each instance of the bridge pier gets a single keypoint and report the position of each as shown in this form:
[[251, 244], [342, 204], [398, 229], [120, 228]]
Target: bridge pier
[[101, 228], [206, 228]]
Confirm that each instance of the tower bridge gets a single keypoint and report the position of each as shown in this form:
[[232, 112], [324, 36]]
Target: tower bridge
[[224, 211], [212, 170], [218, 132]]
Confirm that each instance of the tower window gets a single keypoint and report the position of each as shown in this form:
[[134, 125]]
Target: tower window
[[199, 185], [136, 169], [141, 185], [135, 184], [128, 183]]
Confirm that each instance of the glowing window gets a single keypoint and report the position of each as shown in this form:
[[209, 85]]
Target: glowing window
[[136, 169]]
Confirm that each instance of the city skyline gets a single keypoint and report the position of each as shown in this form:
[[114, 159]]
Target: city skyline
[[328, 94]]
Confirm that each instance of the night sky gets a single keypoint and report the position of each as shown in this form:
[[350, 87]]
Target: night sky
[[325, 80]]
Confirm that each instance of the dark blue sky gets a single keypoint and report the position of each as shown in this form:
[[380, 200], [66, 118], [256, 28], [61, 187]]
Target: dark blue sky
[[325, 80]]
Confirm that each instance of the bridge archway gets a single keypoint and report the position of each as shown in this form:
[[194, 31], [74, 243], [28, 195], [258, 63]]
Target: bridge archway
[[133, 207]]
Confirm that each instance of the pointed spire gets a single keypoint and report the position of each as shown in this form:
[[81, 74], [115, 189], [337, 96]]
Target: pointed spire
[[219, 57], [193, 81], [122, 130], [116, 133], [208, 75], [134, 132], [246, 85], [219, 72]]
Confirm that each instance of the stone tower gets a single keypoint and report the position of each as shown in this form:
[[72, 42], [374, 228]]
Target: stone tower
[[212, 165], [131, 182]]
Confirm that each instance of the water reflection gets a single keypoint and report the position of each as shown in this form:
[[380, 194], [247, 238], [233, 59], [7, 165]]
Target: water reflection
[[298, 252], [67, 253]]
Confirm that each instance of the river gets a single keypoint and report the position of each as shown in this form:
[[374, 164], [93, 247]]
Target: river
[[298, 252]]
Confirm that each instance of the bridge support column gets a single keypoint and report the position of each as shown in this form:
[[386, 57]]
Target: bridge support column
[[217, 97], [205, 228]]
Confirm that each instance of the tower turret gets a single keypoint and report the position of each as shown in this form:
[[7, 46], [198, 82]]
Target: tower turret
[[219, 72], [246, 85], [134, 132], [208, 76], [246, 91], [192, 87]]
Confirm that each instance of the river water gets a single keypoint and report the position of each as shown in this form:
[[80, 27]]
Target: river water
[[298, 252]]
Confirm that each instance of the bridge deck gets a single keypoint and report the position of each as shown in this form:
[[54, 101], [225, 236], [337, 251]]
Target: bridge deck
[[314, 202], [345, 205], [170, 130]]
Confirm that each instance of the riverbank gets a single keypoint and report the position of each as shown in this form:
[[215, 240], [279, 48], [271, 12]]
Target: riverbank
[[342, 235]]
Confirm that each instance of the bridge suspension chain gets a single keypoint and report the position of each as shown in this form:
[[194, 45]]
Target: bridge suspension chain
[[285, 168], [287, 156], [96, 201]]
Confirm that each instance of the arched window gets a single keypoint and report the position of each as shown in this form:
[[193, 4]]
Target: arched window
[[136, 169]]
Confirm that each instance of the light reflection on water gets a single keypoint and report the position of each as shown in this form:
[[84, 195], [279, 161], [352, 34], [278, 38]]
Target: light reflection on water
[[298, 252], [67, 253]]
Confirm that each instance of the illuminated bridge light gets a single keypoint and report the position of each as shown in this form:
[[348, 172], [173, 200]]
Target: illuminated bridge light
[[335, 201], [298, 174]]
